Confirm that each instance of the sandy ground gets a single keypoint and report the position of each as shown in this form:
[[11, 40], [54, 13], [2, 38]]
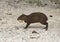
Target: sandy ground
[[13, 31]]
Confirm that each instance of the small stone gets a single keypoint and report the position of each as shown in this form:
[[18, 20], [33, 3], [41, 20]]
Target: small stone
[[45, 4], [9, 13], [51, 16], [0, 19], [34, 32], [32, 37], [16, 28]]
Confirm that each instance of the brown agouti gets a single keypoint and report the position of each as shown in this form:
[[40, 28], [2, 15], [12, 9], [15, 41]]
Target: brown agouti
[[34, 18]]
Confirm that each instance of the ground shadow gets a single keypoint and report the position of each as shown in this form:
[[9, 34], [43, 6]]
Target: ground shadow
[[36, 27], [32, 26]]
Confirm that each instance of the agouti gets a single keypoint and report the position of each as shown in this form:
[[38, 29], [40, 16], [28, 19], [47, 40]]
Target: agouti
[[34, 18]]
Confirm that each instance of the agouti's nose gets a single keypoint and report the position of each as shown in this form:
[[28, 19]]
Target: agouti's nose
[[17, 19]]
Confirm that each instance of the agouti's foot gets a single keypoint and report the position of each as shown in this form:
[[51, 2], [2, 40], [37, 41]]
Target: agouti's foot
[[45, 28], [25, 28]]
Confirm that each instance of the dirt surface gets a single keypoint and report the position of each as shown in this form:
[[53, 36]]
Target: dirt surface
[[13, 31]]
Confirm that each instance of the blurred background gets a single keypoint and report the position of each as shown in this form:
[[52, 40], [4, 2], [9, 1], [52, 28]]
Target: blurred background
[[39, 3]]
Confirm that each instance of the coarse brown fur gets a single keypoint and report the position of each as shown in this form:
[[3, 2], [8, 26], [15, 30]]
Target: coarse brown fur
[[34, 18]]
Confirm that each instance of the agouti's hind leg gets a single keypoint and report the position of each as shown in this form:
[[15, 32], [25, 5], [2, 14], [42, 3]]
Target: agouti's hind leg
[[27, 25], [46, 26]]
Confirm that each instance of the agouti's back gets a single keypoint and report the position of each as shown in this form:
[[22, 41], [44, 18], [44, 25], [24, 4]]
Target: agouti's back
[[37, 17]]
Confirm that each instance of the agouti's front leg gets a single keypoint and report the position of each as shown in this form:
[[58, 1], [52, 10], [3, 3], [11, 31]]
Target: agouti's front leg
[[27, 25]]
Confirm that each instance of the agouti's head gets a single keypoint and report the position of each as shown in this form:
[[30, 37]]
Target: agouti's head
[[22, 17]]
